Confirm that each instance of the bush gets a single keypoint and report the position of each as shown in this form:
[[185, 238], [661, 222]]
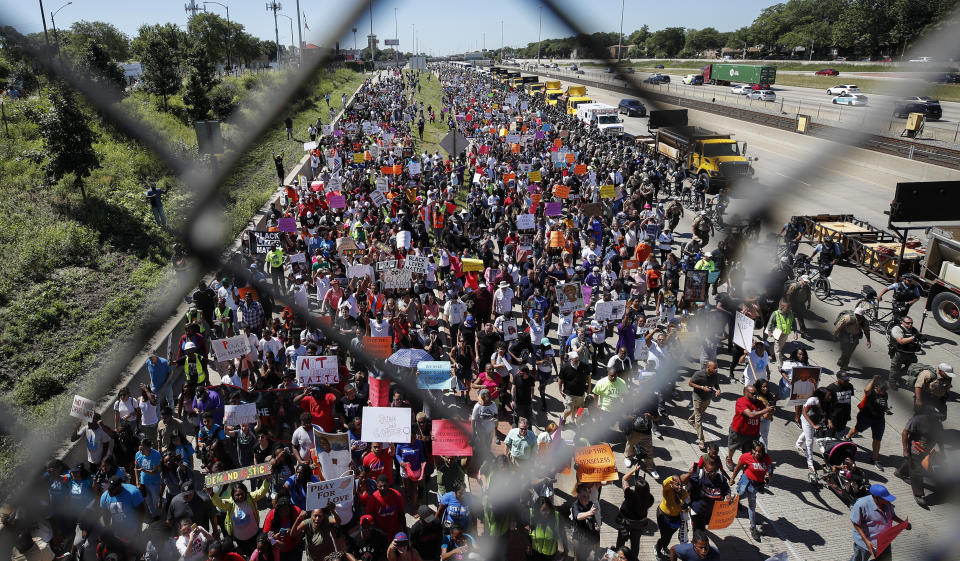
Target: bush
[[38, 387], [223, 100]]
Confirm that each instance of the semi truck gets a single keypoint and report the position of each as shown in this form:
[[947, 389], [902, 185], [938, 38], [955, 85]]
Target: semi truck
[[941, 273], [602, 116], [574, 96], [552, 92], [714, 157], [726, 74]]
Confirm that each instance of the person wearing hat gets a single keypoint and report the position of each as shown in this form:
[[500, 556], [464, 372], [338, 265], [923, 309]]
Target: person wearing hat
[[194, 363], [871, 516], [829, 252], [797, 292], [121, 506], [932, 389], [367, 541], [573, 383], [921, 435], [426, 534], [187, 503], [849, 328]]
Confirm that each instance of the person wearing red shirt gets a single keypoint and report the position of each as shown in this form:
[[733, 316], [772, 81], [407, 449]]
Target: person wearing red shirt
[[745, 426], [386, 507], [380, 461], [320, 405], [757, 467], [279, 525]]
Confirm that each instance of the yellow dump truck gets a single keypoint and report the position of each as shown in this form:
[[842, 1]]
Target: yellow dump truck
[[574, 96], [717, 158], [552, 92]]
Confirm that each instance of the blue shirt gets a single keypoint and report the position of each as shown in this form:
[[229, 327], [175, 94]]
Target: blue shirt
[[871, 517], [448, 545], [298, 494], [456, 511], [149, 461], [216, 430], [81, 491], [412, 453], [123, 509], [159, 372], [686, 552]]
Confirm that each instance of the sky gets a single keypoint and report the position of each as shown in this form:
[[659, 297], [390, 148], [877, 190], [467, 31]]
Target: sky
[[442, 27]]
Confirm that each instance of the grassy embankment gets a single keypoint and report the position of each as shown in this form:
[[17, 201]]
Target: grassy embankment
[[78, 278]]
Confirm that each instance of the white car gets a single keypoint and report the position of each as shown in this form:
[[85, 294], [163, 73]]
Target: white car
[[842, 89], [742, 89], [762, 95], [850, 99]]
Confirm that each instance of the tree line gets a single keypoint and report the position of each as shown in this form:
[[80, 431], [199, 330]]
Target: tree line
[[863, 28]]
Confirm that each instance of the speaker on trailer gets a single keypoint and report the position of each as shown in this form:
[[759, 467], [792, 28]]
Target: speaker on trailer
[[667, 118], [926, 202]]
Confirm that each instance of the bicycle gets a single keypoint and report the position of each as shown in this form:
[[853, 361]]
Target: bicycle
[[819, 283]]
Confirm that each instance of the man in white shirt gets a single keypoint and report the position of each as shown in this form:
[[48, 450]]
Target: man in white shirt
[[270, 345], [454, 312], [503, 298]]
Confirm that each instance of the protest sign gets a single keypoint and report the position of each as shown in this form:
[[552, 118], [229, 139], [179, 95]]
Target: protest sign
[[378, 198], [695, 286], [724, 513], [472, 264], [509, 176], [580, 169], [354, 271], [595, 464], [607, 191], [386, 265], [379, 391], [434, 375], [403, 239], [413, 168], [317, 370], [230, 348], [308, 146], [553, 208], [378, 347], [287, 225], [886, 537], [298, 258], [333, 452], [612, 310], [245, 414], [386, 170], [243, 291], [358, 157], [570, 297], [803, 382], [629, 264], [262, 242], [235, 475], [382, 183], [535, 176], [82, 408], [525, 222], [336, 491], [526, 168], [593, 209], [568, 157], [337, 201], [451, 438], [561, 191], [512, 138], [556, 238], [386, 424], [510, 330], [743, 331], [327, 129], [416, 264], [397, 278]]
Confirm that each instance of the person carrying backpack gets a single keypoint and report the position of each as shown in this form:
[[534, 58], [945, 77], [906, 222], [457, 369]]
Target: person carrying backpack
[[830, 252], [849, 328], [632, 518]]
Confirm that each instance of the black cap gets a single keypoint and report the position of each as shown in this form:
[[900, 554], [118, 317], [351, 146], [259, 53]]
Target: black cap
[[186, 486], [78, 467], [115, 482]]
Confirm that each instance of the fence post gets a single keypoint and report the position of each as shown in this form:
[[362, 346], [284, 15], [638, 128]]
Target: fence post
[[840, 113], [955, 132], [781, 104], [819, 105]]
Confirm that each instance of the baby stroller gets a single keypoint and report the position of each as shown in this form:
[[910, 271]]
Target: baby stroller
[[840, 472]]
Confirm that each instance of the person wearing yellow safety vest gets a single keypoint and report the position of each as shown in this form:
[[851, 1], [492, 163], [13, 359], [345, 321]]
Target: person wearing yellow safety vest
[[193, 316], [274, 260], [194, 369], [544, 532], [224, 319], [706, 263], [781, 324]]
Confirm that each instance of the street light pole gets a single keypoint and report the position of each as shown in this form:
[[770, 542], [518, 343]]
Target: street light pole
[[43, 16], [396, 35], [299, 35], [275, 7], [620, 39], [291, 27], [501, 39], [56, 36], [539, 32], [229, 32]]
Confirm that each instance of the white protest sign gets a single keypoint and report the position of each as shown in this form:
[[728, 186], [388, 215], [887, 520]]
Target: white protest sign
[[743, 331], [317, 370], [510, 330], [386, 424], [386, 265], [333, 184], [525, 222], [512, 138], [327, 129], [610, 310], [382, 184], [231, 347], [82, 408], [416, 264], [397, 278], [245, 414], [354, 271], [298, 258], [414, 168], [336, 491], [387, 136], [524, 105], [307, 146], [403, 239], [378, 198], [526, 168]]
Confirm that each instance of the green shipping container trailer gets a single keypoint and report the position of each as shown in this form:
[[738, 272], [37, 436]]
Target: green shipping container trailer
[[726, 74]]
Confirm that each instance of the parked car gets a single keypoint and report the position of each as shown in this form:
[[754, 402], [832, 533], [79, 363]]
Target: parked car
[[850, 99], [658, 66], [762, 95], [827, 72], [884, 59], [574, 67], [632, 108], [693, 79], [843, 89], [840, 59], [629, 69], [608, 70], [919, 104], [741, 89]]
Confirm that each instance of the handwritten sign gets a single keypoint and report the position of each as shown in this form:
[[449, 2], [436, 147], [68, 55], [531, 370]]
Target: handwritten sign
[[378, 198], [287, 224], [561, 191], [378, 347], [317, 370], [230, 348], [434, 375], [525, 222], [607, 191], [82, 408], [245, 414], [743, 331], [235, 475], [535, 176], [610, 310], [336, 491], [386, 424], [595, 464], [553, 208], [386, 265], [724, 513], [451, 438], [397, 278], [580, 169], [593, 209], [630, 264], [472, 264], [416, 264], [413, 168], [307, 146]]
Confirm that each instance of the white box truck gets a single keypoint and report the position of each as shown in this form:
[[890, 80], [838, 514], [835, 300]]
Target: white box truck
[[602, 116]]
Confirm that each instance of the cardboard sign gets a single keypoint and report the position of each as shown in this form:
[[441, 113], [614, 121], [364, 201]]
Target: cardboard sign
[[535, 176], [561, 191], [553, 208], [287, 224], [743, 331], [382, 184], [525, 222], [556, 238], [695, 287], [354, 271], [510, 330], [298, 258], [570, 297], [580, 169], [230, 348], [245, 414], [568, 157], [404, 239], [607, 191], [886, 537], [82, 408], [471, 264], [327, 129], [378, 198], [803, 382], [526, 168], [595, 464], [397, 278], [386, 424], [434, 375], [333, 452], [511, 138], [379, 392], [413, 168], [378, 347], [235, 475], [336, 491], [313, 370], [724, 513], [451, 438], [337, 201], [416, 264], [593, 209], [629, 264], [613, 310]]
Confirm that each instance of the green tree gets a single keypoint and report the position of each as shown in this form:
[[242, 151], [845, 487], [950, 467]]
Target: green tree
[[176, 39], [82, 33], [200, 81], [211, 31], [222, 100], [667, 42], [96, 63], [160, 72], [699, 40], [68, 139]]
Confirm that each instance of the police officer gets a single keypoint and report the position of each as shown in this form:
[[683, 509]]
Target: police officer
[[905, 293], [792, 234], [849, 328], [829, 252], [905, 341]]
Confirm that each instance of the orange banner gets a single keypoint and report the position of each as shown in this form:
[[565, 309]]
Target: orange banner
[[386, 170], [509, 176], [595, 464], [724, 513], [570, 157], [378, 347], [515, 148], [580, 169], [561, 191], [397, 169], [557, 143]]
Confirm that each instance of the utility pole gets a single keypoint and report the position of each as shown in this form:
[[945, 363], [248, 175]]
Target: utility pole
[[811, 50], [229, 32], [484, 47], [539, 35], [275, 7], [413, 39], [371, 45], [56, 36], [46, 38], [299, 35], [396, 35], [620, 40], [354, 38], [501, 39], [191, 8]]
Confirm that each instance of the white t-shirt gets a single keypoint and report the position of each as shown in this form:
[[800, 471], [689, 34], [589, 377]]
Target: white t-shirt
[[149, 413], [485, 416], [273, 346], [759, 370], [127, 409], [810, 401], [303, 440]]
